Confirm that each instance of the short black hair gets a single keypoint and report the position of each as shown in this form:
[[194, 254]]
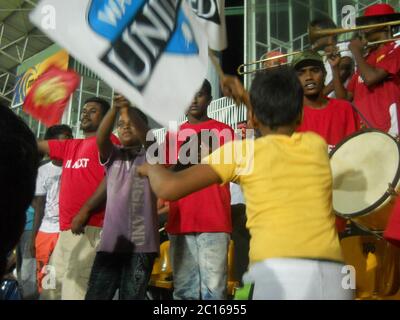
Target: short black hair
[[105, 106], [324, 23], [276, 96], [206, 87], [140, 113], [19, 162], [54, 131], [310, 63]]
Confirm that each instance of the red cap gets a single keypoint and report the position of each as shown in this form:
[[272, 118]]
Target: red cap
[[273, 54], [378, 13], [379, 9]]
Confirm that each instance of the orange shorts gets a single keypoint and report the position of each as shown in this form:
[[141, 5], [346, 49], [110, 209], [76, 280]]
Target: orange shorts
[[44, 244]]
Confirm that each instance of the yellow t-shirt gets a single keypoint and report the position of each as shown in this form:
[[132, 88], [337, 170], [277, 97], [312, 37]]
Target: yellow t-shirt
[[287, 184]]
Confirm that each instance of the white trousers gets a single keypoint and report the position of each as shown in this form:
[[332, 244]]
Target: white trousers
[[298, 279]]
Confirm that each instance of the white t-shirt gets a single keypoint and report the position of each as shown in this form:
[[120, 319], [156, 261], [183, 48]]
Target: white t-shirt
[[236, 194], [345, 52], [48, 184]]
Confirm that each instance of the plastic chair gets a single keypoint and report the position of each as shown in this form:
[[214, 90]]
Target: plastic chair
[[161, 276], [232, 282]]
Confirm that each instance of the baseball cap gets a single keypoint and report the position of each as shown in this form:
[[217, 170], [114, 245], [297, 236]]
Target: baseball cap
[[307, 58]]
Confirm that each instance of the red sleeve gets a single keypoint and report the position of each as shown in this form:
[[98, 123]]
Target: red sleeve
[[392, 232], [352, 83], [391, 62], [115, 140], [57, 149]]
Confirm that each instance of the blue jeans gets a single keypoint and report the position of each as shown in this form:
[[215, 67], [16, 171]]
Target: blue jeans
[[200, 265], [130, 273]]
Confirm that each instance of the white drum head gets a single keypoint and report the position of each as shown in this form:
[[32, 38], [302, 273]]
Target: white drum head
[[362, 168]]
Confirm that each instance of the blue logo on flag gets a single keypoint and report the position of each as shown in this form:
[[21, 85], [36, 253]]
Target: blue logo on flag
[[140, 32], [109, 18]]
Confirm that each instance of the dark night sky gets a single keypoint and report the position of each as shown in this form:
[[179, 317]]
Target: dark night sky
[[232, 57]]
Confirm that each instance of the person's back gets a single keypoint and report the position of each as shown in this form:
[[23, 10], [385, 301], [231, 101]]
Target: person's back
[[287, 184], [288, 188]]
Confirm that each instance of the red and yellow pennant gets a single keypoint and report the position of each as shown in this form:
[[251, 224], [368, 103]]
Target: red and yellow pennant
[[49, 95]]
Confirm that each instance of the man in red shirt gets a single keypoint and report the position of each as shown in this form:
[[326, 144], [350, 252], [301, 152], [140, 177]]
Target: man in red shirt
[[199, 224], [332, 119], [374, 88], [81, 205]]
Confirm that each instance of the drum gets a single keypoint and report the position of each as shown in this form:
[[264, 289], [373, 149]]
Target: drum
[[366, 172], [376, 263]]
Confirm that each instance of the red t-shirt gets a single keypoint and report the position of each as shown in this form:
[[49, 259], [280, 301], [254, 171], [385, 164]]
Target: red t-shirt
[[333, 123], [392, 232], [380, 103], [81, 175], [207, 210]]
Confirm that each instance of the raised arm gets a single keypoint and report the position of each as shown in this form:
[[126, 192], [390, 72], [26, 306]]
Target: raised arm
[[340, 90], [43, 147], [171, 186], [140, 126], [369, 74], [103, 134], [232, 87]]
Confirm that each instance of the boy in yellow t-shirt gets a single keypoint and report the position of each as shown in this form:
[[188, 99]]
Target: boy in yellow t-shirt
[[287, 184]]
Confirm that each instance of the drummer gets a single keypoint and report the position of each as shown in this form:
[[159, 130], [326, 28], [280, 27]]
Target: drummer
[[332, 119], [374, 88]]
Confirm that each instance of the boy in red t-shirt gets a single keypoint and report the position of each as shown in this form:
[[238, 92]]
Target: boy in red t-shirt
[[81, 204], [199, 224], [332, 119]]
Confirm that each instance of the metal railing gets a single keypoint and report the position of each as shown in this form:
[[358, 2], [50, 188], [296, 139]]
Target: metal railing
[[224, 110]]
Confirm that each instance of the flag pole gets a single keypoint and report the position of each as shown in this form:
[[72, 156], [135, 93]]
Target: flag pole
[[216, 64]]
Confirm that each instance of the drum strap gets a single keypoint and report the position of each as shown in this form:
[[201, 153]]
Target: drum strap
[[362, 116], [377, 234]]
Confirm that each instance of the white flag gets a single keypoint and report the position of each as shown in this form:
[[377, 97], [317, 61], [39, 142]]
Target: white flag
[[211, 15], [153, 52]]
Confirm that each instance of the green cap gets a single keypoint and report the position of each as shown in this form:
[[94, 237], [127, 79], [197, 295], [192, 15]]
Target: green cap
[[310, 56]]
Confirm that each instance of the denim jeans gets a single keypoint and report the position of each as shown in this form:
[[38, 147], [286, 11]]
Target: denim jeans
[[130, 273], [200, 265]]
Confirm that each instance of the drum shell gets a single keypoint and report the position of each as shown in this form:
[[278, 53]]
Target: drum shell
[[378, 219], [376, 263]]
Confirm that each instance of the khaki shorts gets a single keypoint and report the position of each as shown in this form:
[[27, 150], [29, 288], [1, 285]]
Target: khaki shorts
[[70, 265]]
